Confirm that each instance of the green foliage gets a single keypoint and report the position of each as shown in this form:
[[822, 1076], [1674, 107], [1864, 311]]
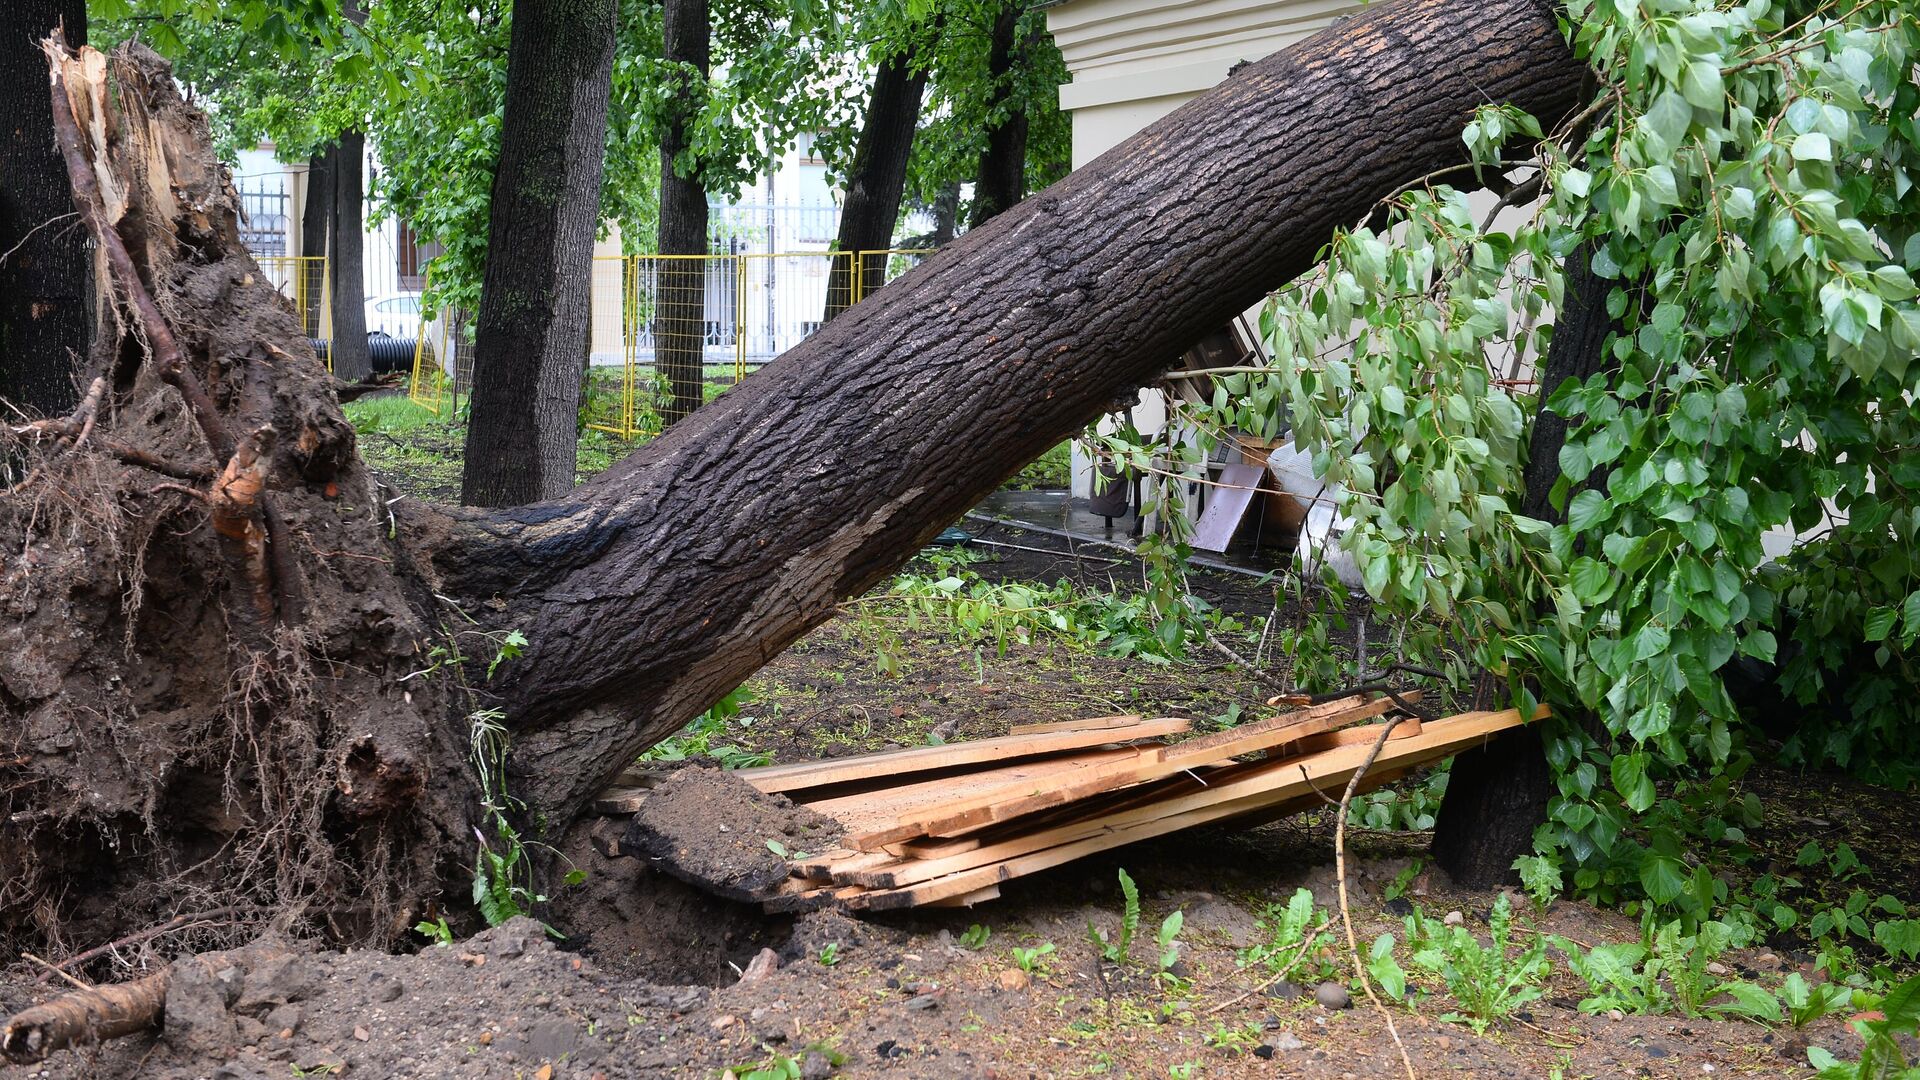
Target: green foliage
[[1298, 943], [956, 600], [1743, 181], [1053, 469], [698, 739], [829, 954], [781, 1066], [1618, 977], [1881, 1056], [435, 930], [1540, 876], [1119, 950], [1487, 981], [975, 937], [1031, 959], [1167, 940]]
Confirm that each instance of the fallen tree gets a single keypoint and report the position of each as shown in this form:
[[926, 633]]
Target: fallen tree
[[235, 664]]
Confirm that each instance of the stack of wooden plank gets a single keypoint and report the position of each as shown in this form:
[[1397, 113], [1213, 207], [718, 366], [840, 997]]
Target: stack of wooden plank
[[946, 825]]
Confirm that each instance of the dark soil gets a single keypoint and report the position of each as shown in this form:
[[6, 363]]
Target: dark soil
[[717, 831]]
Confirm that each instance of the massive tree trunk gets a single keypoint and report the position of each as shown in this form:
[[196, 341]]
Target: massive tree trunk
[[1498, 792], [315, 218], [535, 310], [347, 268], [46, 295], [1002, 180], [680, 334], [290, 697], [877, 177]]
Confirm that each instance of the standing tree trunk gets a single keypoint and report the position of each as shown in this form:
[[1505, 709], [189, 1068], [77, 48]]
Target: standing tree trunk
[[315, 217], [337, 769], [1499, 792], [347, 268], [1002, 180], [535, 312], [877, 177], [681, 334], [46, 277]]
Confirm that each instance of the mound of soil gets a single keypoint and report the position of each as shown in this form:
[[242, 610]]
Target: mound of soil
[[714, 830]]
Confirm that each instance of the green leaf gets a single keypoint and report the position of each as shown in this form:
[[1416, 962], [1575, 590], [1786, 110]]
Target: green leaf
[[1813, 146], [1663, 877], [1588, 509], [1702, 86]]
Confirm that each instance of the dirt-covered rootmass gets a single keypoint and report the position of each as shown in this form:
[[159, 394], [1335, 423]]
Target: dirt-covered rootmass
[[184, 728], [719, 832]]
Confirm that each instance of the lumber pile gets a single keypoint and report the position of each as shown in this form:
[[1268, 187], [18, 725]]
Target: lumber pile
[[946, 825]]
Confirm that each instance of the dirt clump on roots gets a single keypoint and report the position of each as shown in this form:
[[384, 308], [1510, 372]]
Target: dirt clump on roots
[[718, 832], [206, 609]]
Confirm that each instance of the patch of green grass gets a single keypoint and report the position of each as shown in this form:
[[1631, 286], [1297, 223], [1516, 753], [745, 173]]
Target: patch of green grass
[[1053, 469], [394, 414]]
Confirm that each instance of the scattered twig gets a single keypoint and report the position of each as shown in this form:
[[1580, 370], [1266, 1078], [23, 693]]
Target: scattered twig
[[178, 922], [1305, 944], [54, 969], [1340, 879]]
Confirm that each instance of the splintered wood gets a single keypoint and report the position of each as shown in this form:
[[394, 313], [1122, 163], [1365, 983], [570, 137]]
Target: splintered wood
[[946, 825]]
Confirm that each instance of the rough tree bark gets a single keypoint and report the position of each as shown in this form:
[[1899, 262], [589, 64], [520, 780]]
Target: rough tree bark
[[535, 313], [1002, 179], [680, 332], [347, 267], [1499, 792], [333, 767], [878, 175], [46, 278], [315, 218]]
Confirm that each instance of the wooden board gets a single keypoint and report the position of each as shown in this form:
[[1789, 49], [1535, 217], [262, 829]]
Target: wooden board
[[1265, 785], [1226, 507], [1004, 803], [619, 800], [810, 774], [876, 809], [1091, 723]]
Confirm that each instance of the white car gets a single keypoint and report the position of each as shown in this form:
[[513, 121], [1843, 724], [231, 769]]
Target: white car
[[395, 315]]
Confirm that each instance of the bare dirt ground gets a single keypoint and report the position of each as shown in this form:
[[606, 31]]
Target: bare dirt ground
[[647, 977]]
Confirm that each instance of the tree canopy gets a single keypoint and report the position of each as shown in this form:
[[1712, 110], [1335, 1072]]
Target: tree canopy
[[1743, 179]]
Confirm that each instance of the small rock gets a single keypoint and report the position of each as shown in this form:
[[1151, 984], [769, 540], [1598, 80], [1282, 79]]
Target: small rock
[[1656, 1051], [1287, 1040], [1331, 995], [1714, 967], [362, 1034], [544, 1072], [1768, 961], [1706, 1068], [1616, 1014], [1399, 905], [1455, 918], [763, 964], [485, 1038], [1285, 990], [1264, 1052], [386, 987], [1013, 979], [922, 1002], [722, 1023], [815, 1066], [1443, 1043]]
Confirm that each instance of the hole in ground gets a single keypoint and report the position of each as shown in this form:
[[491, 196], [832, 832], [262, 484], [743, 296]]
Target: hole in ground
[[639, 922]]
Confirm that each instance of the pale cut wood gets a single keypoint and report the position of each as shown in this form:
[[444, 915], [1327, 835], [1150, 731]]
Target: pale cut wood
[[1359, 733], [785, 778], [1091, 723], [876, 809], [977, 896], [619, 800], [1016, 800], [1265, 785]]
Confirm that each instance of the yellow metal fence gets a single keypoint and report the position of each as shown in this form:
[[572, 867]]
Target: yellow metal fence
[[671, 331], [303, 280]]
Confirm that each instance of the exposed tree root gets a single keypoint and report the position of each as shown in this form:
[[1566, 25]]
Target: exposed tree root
[[99, 1013]]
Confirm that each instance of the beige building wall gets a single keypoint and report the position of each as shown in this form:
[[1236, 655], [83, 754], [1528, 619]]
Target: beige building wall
[[1134, 61]]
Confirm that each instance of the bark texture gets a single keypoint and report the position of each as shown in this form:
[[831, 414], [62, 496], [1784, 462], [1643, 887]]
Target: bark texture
[[315, 219], [1498, 792], [1002, 180], [878, 176], [535, 312], [347, 270], [661, 585], [680, 327], [46, 278]]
